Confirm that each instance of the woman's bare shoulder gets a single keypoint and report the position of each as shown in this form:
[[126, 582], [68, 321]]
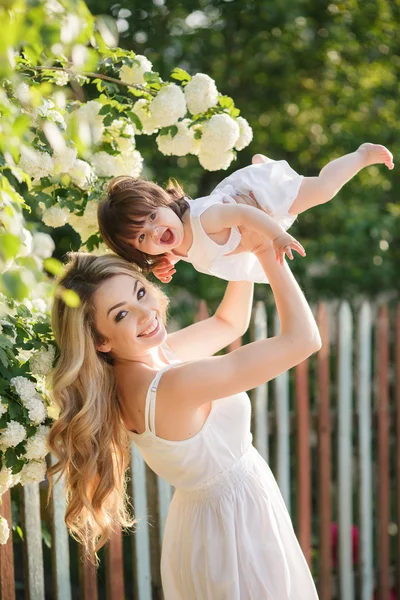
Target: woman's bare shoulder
[[133, 382]]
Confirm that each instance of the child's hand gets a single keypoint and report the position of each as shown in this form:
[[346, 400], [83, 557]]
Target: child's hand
[[284, 244], [164, 270]]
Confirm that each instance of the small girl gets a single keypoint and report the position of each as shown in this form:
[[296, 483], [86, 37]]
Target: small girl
[[155, 227]]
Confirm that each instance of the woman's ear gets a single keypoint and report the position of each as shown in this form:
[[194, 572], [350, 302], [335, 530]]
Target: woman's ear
[[103, 346]]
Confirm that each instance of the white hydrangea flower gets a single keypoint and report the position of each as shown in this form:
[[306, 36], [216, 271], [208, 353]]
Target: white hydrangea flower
[[41, 362], [26, 246], [181, 144], [127, 163], [123, 134], [43, 245], [88, 113], [86, 225], [33, 472], [36, 446], [220, 134], [61, 78], [135, 73], [24, 387], [4, 531], [201, 94], [63, 160], [55, 216], [12, 435], [81, 174], [149, 124], [39, 305], [3, 405], [23, 93], [36, 164], [246, 134], [215, 162], [168, 106], [36, 410], [6, 480]]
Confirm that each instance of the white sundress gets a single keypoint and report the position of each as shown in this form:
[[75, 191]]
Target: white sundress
[[228, 534], [275, 185]]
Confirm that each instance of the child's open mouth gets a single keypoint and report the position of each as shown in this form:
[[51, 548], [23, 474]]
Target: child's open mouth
[[167, 237]]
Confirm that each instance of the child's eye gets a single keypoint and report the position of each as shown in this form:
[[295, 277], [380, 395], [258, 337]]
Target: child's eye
[[141, 293], [121, 315], [141, 237], [153, 216]]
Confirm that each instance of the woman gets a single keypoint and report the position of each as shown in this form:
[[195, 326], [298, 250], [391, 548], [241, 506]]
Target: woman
[[228, 534]]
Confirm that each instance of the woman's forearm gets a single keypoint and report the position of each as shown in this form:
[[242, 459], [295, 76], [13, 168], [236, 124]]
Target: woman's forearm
[[235, 307]]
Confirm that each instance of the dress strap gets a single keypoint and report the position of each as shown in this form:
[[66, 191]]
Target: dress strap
[[150, 409]]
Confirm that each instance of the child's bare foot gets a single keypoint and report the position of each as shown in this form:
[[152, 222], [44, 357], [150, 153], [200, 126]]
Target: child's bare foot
[[376, 154], [258, 159]]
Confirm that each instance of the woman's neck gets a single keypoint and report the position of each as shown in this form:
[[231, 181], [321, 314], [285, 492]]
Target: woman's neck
[[156, 358]]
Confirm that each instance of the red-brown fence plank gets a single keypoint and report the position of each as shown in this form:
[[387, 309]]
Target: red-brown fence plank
[[115, 567], [87, 577], [7, 584], [304, 459], [397, 371], [324, 459], [383, 453]]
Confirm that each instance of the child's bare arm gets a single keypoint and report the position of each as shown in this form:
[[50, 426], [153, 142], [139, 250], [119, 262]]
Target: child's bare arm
[[224, 216]]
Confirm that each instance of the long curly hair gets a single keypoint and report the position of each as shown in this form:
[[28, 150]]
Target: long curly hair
[[89, 439]]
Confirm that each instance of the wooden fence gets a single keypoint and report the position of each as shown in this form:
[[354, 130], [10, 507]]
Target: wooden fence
[[330, 429]]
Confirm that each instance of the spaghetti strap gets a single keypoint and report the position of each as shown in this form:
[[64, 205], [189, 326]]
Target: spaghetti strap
[[150, 408]]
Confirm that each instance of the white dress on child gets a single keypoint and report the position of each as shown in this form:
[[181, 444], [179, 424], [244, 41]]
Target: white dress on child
[[228, 534], [275, 185]]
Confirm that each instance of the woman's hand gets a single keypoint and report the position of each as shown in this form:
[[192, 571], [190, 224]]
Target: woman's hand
[[164, 270]]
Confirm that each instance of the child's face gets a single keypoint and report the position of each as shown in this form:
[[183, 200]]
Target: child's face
[[162, 231]]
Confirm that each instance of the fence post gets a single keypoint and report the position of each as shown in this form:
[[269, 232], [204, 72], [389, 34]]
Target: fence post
[[281, 384], [345, 450], [7, 583], [397, 383], [60, 543], [364, 429], [261, 392], [33, 552]]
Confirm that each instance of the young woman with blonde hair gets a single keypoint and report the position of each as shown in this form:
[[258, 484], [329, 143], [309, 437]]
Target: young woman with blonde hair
[[228, 534]]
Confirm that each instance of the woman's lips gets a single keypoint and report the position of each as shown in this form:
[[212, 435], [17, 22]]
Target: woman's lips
[[152, 329]]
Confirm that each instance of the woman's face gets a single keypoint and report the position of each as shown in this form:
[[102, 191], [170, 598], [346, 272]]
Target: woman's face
[[129, 317]]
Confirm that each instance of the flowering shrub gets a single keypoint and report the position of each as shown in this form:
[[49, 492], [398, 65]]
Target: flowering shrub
[[57, 152]]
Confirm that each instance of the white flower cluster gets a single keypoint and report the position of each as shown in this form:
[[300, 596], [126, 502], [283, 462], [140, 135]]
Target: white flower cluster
[[6, 480], [85, 225], [26, 390], [3, 405], [134, 74], [126, 163], [168, 106], [42, 245], [182, 143], [123, 135], [36, 446], [246, 134], [89, 121], [55, 216], [201, 94], [37, 164], [142, 110], [33, 471], [4, 531], [41, 362], [12, 435]]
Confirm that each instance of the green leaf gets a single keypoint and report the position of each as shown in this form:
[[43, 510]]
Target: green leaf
[[151, 77], [9, 245], [180, 75], [70, 298], [3, 358], [226, 102], [53, 266], [20, 532], [5, 342], [46, 535], [135, 119]]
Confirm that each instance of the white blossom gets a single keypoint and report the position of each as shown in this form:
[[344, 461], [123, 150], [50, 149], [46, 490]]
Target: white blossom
[[39, 305], [43, 245], [12, 435], [81, 174], [63, 160], [126, 163], [88, 114], [181, 144], [24, 387], [4, 531], [61, 78], [41, 362], [36, 164], [85, 225], [215, 162], [123, 134], [168, 106], [55, 216], [36, 410], [3, 405], [246, 134], [6, 480], [33, 472], [220, 134], [149, 124], [201, 94], [26, 243], [135, 73], [36, 446]]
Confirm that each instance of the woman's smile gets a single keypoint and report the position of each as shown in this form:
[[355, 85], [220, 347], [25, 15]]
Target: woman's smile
[[152, 329]]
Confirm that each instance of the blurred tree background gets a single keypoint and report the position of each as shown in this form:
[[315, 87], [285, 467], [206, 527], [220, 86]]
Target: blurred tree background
[[314, 80]]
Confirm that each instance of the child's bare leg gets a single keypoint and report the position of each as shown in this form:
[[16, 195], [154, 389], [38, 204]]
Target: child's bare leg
[[321, 189]]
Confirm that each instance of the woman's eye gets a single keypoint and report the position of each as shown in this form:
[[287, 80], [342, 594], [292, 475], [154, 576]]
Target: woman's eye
[[141, 237], [141, 293], [121, 315], [153, 216]]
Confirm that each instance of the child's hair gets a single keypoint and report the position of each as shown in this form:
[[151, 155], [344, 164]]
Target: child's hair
[[125, 207]]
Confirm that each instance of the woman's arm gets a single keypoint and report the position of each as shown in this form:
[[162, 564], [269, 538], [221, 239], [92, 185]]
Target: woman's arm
[[201, 381], [229, 322]]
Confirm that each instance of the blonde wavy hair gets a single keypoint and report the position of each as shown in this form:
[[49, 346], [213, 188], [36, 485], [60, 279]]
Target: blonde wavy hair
[[89, 439]]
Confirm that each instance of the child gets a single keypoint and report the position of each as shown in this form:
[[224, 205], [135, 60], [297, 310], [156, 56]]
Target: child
[[154, 228]]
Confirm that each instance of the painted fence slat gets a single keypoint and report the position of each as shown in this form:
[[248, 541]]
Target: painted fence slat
[[7, 584], [303, 459], [325, 458], [261, 392], [164, 499], [281, 385], [383, 454], [345, 474], [397, 384], [60, 543], [364, 432], [87, 578], [33, 552], [141, 540], [115, 567]]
